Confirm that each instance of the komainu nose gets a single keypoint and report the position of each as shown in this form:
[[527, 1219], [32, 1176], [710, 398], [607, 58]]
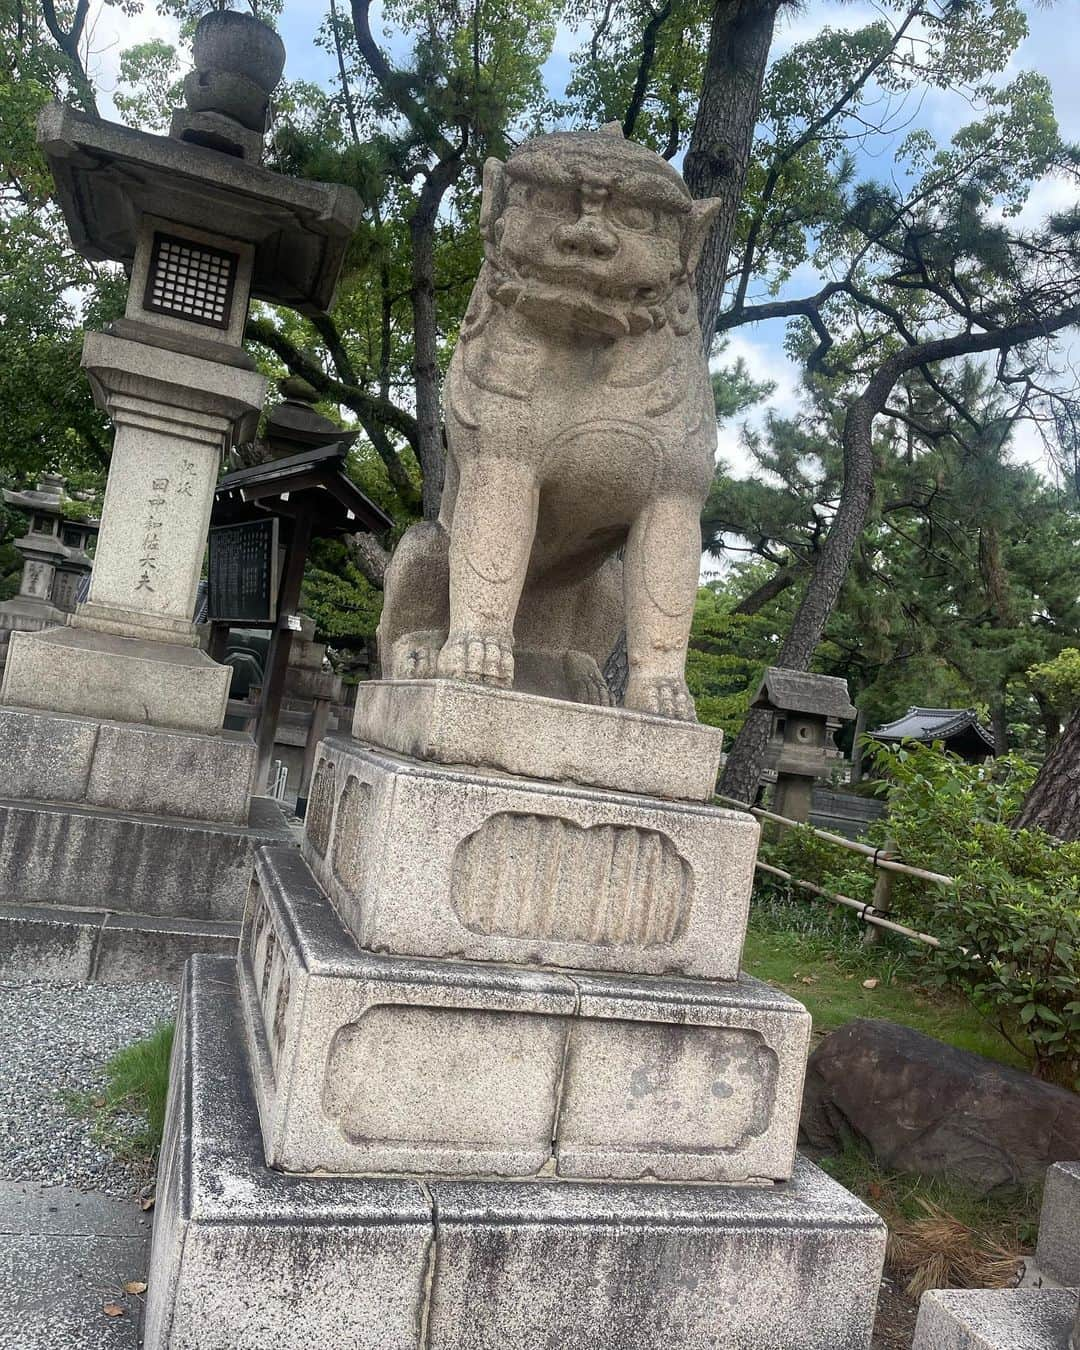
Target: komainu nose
[[587, 237]]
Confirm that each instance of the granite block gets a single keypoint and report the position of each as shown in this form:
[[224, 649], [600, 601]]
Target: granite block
[[55, 757], [369, 1063], [89, 858], [46, 942], [122, 679], [479, 726], [995, 1319], [247, 1256], [1058, 1251], [424, 860]]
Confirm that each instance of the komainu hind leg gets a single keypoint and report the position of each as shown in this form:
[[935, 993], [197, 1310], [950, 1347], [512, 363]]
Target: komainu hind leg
[[416, 604]]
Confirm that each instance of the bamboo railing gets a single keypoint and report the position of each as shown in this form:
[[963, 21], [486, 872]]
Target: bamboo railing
[[874, 914]]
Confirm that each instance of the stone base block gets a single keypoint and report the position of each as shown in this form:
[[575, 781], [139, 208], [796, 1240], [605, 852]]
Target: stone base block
[[424, 860], [1058, 1252], [87, 858], [246, 1256], [52, 757], [996, 1319], [376, 1064], [122, 679], [472, 725], [45, 942]]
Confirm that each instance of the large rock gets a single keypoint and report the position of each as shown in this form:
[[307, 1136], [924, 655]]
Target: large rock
[[922, 1106]]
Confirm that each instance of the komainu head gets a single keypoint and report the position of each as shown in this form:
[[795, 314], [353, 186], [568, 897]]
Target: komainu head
[[591, 234]]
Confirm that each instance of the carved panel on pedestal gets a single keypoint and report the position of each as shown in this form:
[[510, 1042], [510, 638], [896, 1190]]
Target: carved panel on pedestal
[[353, 809], [270, 978], [403, 1076], [667, 1087], [532, 876], [320, 807]]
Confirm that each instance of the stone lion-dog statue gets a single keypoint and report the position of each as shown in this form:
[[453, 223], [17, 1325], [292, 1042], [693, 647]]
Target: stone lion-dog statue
[[580, 425]]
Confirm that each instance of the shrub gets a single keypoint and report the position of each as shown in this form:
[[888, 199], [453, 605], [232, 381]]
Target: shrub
[[1009, 927]]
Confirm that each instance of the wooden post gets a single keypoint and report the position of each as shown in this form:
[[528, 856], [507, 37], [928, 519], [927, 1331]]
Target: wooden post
[[219, 640], [277, 659], [320, 721], [857, 747], [882, 901]]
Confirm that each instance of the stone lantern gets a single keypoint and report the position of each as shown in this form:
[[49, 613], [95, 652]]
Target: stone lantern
[[42, 553], [202, 230], [807, 709], [77, 537], [116, 776]]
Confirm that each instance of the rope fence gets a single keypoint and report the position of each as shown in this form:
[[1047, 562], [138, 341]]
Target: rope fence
[[874, 914]]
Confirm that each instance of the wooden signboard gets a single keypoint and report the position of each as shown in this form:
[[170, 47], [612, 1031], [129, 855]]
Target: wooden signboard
[[243, 573]]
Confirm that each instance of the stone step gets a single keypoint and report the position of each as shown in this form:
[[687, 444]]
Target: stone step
[[244, 1255], [82, 857], [996, 1319], [374, 1063], [425, 860], [48, 942], [1058, 1252]]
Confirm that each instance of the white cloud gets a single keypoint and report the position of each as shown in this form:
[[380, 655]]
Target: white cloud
[[109, 31], [765, 360]]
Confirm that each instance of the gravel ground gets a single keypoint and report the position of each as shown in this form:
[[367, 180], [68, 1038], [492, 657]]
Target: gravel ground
[[55, 1039]]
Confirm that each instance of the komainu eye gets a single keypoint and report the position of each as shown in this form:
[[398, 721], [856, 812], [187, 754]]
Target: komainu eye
[[633, 215], [553, 200]]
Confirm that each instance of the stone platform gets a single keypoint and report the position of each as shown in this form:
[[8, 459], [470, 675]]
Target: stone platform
[[124, 766], [82, 857], [48, 942], [425, 860], [246, 1256], [474, 725], [996, 1319], [374, 1064]]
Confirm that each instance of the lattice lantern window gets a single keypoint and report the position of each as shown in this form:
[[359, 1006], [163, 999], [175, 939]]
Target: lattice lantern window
[[191, 281]]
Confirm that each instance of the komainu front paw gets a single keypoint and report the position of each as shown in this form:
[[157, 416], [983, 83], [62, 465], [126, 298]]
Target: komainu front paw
[[585, 680], [479, 658], [664, 695]]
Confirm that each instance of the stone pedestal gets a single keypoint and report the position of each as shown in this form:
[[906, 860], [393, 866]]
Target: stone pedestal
[[487, 1073], [131, 651], [424, 860], [249, 1256]]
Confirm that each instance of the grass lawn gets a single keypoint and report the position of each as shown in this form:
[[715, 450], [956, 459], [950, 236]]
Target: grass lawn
[[815, 953]]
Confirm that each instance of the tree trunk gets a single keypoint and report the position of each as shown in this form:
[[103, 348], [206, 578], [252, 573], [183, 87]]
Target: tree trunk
[[723, 135], [429, 449], [1053, 804], [999, 723], [742, 771]]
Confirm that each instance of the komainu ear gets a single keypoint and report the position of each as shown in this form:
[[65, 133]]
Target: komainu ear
[[696, 226], [494, 198]]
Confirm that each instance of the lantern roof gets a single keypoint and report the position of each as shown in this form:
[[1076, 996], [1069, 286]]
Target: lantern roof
[[108, 176]]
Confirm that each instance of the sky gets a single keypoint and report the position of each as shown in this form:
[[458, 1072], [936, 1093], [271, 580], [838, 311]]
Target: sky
[[1050, 48]]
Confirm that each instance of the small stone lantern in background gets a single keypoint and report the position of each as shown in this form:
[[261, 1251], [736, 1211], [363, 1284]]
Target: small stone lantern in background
[[807, 711], [202, 230], [42, 552], [77, 537]]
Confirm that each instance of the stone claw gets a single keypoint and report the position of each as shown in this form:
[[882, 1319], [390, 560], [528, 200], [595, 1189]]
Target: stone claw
[[479, 658], [586, 680], [662, 695]]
